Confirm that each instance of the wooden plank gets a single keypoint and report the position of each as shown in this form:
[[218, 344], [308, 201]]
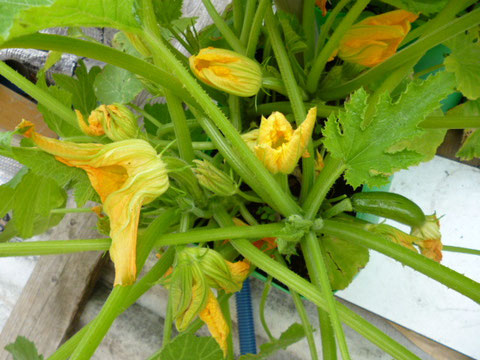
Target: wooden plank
[[56, 291], [14, 107], [450, 146]]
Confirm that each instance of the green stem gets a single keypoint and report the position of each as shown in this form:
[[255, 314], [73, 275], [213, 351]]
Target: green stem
[[53, 247], [461, 250], [286, 108], [71, 210], [196, 145], [309, 26], [451, 122], [333, 169], [138, 289], [256, 27], [428, 70], [312, 293], [222, 26], [325, 29], [317, 271], [440, 273], [250, 8], [235, 112], [225, 307], [342, 206], [39, 94], [105, 54], [164, 129], [409, 53], [293, 92], [167, 324], [262, 180], [329, 345], [307, 327], [276, 84], [263, 301], [332, 44], [249, 197], [151, 118], [238, 15]]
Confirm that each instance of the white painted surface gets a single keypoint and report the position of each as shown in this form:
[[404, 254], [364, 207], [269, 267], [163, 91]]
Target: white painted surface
[[411, 299]]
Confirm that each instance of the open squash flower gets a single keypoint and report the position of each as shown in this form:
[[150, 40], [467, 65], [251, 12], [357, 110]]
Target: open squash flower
[[376, 38], [279, 147], [227, 71], [116, 121], [430, 242], [125, 174], [195, 271]]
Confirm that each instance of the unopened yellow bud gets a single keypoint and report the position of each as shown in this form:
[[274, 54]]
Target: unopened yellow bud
[[214, 179], [278, 146], [116, 121], [376, 38], [227, 71]]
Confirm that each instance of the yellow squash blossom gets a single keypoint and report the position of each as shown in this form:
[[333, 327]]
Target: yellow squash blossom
[[430, 242], [196, 270], [116, 121], [125, 174], [376, 38], [227, 71], [278, 146]]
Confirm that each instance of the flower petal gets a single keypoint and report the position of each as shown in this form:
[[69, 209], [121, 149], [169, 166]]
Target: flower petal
[[212, 316]]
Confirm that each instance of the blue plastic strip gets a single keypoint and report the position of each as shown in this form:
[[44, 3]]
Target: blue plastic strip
[[246, 326]]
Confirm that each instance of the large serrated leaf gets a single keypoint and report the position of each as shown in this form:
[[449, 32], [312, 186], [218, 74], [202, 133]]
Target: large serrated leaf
[[81, 87], [191, 347], [371, 152], [426, 7], [116, 85], [464, 62], [290, 336], [35, 196], [23, 349], [28, 16]]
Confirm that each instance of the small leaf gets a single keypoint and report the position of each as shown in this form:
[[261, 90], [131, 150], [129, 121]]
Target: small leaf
[[116, 85], [464, 62], [471, 146], [426, 7], [81, 88], [167, 11], [371, 153], [344, 260], [293, 33], [23, 349], [290, 336], [191, 347]]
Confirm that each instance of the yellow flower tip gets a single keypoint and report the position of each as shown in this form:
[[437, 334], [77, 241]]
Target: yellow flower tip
[[322, 4], [227, 71], [319, 163], [212, 316], [430, 242], [98, 210], [26, 127], [432, 248], [278, 146], [239, 270], [376, 38], [94, 126]]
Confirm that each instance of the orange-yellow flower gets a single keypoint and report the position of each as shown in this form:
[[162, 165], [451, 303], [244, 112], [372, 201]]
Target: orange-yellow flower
[[227, 71], [430, 242], [125, 174], [278, 146], [376, 38]]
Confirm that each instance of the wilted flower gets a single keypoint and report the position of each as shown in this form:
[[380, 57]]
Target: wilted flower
[[125, 174], [376, 38], [395, 235], [278, 146], [116, 121], [195, 271], [215, 180], [227, 71], [431, 238]]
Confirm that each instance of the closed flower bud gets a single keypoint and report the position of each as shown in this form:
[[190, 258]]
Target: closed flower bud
[[214, 179], [376, 38], [227, 71], [395, 235], [116, 121], [279, 147]]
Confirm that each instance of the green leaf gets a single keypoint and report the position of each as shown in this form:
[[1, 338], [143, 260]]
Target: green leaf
[[344, 260], [292, 335], [372, 153], [471, 146], [53, 121], [293, 33], [23, 349], [167, 11], [464, 62], [116, 85], [46, 165], [35, 196], [28, 16], [81, 88], [426, 7], [121, 42], [7, 192], [160, 113], [191, 347]]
